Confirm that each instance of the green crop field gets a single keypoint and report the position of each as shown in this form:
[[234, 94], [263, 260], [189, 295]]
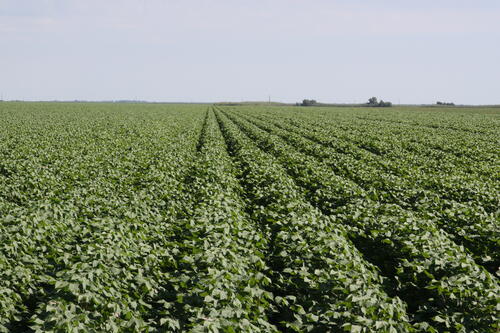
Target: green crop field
[[205, 218]]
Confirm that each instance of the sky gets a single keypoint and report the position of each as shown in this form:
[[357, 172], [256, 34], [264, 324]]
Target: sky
[[342, 51]]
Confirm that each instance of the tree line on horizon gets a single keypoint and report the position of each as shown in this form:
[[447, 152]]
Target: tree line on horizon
[[373, 102]]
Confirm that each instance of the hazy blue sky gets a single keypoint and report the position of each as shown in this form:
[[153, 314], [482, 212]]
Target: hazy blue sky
[[195, 50]]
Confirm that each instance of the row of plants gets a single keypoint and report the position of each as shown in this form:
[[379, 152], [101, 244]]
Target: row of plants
[[87, 203], [440, 282], [173, 218], [319, 280], [443, 151], [217, 277], [416, 146], [469, 223]]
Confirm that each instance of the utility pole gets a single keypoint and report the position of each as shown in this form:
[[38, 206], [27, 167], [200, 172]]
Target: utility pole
[[269, 99]]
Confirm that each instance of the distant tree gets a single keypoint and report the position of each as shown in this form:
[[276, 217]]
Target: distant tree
[[445, 103], [373, 101], [309, 102]]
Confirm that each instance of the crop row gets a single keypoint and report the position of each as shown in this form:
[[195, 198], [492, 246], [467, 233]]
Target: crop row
[[444, 152], [320, 281], [216, 276], [85, 214], [440, 282], [469, 223], [173, 218]]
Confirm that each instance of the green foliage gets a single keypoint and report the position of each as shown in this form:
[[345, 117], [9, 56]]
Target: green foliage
[[375, 103], [404, 235], [309, 102], [170, 218]]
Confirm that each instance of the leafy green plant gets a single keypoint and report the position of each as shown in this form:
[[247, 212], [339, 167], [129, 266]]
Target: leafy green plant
[[173, 218]]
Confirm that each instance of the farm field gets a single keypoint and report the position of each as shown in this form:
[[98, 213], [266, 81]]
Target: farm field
[[209, 218]]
